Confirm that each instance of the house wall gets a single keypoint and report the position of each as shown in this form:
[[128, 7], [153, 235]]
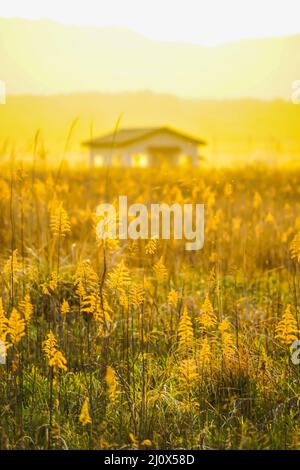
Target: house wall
[[141, 147]]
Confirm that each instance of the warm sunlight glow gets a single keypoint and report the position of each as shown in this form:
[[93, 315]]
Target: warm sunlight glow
[[140, 160], [184, 160], [99, 161]]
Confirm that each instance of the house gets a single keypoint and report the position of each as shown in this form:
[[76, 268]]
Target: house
[[144, 147]]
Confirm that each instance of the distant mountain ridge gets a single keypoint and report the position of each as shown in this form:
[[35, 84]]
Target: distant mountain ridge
[[43, 57]]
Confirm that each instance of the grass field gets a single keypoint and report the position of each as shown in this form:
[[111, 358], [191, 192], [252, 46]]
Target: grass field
[[123, 344]]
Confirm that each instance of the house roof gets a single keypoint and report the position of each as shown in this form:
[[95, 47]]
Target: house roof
[[127, 136]]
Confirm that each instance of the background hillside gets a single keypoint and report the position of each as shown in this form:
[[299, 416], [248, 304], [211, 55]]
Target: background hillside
[[46, 57]]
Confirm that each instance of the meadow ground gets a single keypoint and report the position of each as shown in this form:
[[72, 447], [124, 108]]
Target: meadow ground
[[141, 344]]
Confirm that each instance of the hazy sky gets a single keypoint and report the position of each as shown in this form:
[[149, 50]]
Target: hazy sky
[[206, 22]]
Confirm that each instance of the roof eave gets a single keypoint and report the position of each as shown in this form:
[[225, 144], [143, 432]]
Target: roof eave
[[115, 144], [112, 145]]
